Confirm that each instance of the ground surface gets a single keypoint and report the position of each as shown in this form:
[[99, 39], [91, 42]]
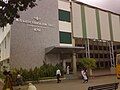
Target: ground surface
[[72, 84], [1, 85]]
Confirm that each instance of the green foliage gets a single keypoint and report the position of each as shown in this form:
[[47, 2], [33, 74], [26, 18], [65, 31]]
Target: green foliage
[[1, 75], [38, 73], [87, 63], [10, 10]]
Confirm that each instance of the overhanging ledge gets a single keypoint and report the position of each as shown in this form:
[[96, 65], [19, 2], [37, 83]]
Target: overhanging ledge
[[63, 50]]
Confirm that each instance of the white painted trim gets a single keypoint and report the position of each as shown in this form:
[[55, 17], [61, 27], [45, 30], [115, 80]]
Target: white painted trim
[[65, 26], [65, 44], [63, 5]]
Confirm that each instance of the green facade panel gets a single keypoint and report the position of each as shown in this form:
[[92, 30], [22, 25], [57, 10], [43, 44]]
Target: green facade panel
[[98, 23], [83, 21], [65, 37], [64, 15], [110, 25]]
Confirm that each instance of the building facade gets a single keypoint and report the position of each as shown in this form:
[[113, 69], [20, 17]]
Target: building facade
[[62, 33]]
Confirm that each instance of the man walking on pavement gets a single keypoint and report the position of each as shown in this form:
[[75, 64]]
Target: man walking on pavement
[[58, 74]]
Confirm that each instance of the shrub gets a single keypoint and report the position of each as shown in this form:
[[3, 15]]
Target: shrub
[[87, 63], [46, 70], [1, 75]]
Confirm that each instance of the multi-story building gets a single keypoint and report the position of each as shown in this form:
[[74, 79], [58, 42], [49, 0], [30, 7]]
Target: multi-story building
[[61, 31]]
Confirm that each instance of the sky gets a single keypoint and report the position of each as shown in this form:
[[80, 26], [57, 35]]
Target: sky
[[111, 5]]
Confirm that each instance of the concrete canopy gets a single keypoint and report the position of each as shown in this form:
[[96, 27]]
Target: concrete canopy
[[63, 49]]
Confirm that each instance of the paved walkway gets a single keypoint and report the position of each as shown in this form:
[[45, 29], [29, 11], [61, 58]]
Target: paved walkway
[[73, 84], [1, 86]]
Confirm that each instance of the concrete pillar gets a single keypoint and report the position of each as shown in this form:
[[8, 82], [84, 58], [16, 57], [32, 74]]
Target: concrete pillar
[[64, 65], [74, 64]]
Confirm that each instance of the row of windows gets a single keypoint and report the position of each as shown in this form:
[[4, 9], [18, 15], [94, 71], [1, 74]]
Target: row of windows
[[103, 64], [65, 37], [82, 55], [96, 47]]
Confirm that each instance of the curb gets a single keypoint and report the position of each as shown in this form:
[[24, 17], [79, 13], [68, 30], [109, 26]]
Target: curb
[[103, 75], [1, 81], [44, 81]]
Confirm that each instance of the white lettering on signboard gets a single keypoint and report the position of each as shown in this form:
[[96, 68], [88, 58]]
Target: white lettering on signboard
[[37, 25]]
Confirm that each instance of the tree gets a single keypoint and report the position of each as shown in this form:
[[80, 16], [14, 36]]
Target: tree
[[87, 63], [9, 10]]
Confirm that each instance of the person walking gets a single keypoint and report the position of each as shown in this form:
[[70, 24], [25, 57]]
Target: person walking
[[19, 80], [86, 72], [68, 72], [8, 85], [58, 74], [84, 76]]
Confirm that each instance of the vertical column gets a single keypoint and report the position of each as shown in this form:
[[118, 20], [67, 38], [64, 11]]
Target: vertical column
[[110, 25], [64, 65], [74, 64], [73, 43], [88, 43], [87, 47]]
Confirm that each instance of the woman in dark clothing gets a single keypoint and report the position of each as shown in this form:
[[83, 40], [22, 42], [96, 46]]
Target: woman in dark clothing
[[8, 81]]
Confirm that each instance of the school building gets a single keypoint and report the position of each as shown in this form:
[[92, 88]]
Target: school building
[[61, 31]]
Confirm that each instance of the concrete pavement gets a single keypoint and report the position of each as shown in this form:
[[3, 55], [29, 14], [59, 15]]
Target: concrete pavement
[[1, 85], [73, 84]]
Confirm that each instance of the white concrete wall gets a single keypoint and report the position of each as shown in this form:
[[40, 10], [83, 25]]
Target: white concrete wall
[[64, 5], [4, 32], [116, 27], [104, 25], [5, 47], [91, 26], [5, 39], [77, 22], [65, 26]]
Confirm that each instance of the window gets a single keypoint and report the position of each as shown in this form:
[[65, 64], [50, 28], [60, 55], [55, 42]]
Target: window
[[91, 55], [80, 55], [65, 37], [64, 15], [101, 64], [80, 45], [96, 55], [5, 43], [95, 47], [97, 64], [101, 55], [118, 46], [107, 64], [104, 48], [100, 47], [91, 47], [105, 56], [114, 47]]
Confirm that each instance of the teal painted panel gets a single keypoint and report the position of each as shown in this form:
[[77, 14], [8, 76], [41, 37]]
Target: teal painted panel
[[65, 37], [110, 25], [64, 15], [98, 23], [83, 21]]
